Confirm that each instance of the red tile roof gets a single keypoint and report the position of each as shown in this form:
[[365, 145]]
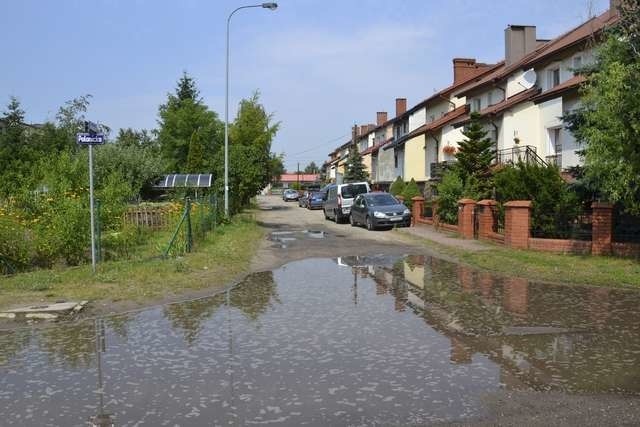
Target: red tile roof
[[302, 177], [548, 49], [492, 110], [573, 83], [441, 122]]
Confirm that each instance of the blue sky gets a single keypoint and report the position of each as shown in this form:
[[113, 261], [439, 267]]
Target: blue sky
[[321, 66]]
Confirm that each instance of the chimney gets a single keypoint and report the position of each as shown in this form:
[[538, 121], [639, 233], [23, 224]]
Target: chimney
[[614, 6], [463, 69], [363, 129], [381, 117], [401, 106], [519, 40]]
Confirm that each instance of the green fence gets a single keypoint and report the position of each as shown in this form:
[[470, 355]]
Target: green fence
[[197, 219]]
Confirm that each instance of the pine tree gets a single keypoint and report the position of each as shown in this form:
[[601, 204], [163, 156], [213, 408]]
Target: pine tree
[[410, 191], [397, 187], [355, 170], [474, 157]]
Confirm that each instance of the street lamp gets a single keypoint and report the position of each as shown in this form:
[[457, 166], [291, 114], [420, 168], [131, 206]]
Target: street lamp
[[270, 6]]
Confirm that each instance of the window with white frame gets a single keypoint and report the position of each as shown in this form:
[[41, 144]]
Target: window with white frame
[[553, 77], [475, 104], [577, 62]]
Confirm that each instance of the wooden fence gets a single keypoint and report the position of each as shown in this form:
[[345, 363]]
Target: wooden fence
[[153, 217]]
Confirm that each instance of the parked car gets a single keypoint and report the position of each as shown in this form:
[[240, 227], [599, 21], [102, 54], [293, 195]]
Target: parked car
[[339, 198], [315, 200], [290, 194], [379, 209], [302, 200]]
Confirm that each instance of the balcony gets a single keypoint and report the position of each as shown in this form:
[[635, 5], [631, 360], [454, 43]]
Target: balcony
[[520, 153], [439, 168], [555, 160]]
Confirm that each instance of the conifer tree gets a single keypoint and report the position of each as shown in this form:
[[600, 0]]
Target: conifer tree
[[354, 169], [474, 157]]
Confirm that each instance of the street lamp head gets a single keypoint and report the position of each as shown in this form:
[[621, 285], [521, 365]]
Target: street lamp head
[[270, 6]]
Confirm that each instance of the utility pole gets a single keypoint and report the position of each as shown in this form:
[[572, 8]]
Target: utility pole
[[298, 176]]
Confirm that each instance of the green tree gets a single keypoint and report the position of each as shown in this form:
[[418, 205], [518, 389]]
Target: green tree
[[410, 191], [355, 170], [474, 157], [276, 166], [250, 159], [397, 186], [312, 168], [450, 190], [608, 123], [196, 161], [183, 114]]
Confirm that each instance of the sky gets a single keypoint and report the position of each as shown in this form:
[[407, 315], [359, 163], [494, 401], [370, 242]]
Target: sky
[[320, 66]]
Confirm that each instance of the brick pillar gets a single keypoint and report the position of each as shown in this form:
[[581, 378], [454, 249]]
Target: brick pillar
[[416, 209], [486, 220], [517, 224], [602, 228], [465, 217]]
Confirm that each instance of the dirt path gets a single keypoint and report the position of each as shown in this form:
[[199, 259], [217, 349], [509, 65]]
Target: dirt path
[[295, 233]]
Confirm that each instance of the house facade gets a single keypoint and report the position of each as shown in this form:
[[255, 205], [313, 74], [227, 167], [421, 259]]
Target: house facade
[[522, 101]]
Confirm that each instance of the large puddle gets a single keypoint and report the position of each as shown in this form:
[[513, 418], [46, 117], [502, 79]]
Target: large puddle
[[352, 341]]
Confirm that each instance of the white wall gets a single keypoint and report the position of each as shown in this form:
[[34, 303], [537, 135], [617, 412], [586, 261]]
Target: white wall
[[521, 121], [417, 119], [550, 113], [386, 168], [569, 144]]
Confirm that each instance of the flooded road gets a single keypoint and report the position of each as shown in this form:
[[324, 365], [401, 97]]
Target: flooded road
[[347, 341]]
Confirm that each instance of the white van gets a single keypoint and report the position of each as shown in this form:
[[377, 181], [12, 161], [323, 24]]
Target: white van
[[339, 198]]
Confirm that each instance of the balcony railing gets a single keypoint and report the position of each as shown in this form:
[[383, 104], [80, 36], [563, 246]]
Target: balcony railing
[[439, 168], [525, 154], [555, 160]]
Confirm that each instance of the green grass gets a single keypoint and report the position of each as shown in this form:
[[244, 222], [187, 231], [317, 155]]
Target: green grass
[[548, 266], [217, 260]]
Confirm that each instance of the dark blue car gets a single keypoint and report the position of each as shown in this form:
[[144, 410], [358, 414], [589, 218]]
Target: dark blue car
[[315, 200]]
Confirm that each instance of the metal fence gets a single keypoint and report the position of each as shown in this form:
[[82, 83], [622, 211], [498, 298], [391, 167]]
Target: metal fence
[[626, 227]]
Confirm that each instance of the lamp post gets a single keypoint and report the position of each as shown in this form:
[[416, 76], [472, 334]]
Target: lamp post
[[270, 6]]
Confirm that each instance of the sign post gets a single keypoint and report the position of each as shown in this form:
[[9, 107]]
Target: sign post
[[91, 137]]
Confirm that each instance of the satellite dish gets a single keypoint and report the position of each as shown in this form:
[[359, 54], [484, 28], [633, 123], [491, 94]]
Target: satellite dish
[[528, 79]]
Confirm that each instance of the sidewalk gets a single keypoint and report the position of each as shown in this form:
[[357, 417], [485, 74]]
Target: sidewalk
[[427, 232]]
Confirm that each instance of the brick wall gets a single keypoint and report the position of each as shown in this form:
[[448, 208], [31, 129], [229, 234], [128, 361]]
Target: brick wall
[[465, 218], [560, 245], [631, 250], [602, 230], [517, 224]]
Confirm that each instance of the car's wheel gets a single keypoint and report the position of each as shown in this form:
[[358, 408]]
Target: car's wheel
[[369, 223], [336, 217], [352, 221]]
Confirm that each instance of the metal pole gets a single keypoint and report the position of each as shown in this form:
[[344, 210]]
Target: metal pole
[[93, 230], [226, 125], [271, 6]]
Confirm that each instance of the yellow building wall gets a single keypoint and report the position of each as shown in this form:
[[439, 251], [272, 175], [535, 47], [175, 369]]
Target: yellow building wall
[[414, 159], [366, 161]]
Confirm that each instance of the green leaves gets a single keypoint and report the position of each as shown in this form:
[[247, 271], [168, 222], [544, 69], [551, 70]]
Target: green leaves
[[474, 157], [355, 170]]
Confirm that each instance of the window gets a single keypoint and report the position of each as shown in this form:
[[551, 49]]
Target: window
[[553, 78], [577, 62], [475, 104]]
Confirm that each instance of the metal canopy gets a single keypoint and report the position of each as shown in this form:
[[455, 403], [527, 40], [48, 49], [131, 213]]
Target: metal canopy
[[185, 181]]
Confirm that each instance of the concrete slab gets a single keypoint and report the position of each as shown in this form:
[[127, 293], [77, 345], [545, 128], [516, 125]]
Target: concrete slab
[[44, 311]]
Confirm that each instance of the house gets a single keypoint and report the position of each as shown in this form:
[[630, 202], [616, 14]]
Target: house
[[429, 123], [522, 102], [294, 179]]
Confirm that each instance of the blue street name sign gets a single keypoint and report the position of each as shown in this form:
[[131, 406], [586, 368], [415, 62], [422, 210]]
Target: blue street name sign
[[90, 138]]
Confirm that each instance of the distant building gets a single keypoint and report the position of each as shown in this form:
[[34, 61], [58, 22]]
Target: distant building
[[287, 180]]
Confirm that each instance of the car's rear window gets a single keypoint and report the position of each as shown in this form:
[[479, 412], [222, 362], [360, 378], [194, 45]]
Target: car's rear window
[[381, 200], [352, 190], [316, 195]]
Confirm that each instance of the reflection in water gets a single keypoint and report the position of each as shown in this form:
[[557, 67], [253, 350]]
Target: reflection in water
[[358, 340]]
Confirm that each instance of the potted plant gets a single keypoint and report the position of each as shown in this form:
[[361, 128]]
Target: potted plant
[[449, 149]]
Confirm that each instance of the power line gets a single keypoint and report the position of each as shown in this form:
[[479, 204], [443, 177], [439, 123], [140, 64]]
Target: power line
[[320, 145]]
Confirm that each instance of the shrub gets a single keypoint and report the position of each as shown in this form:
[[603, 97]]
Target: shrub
[[450, 190], [397, 187], [554, 206], [410, 191]]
